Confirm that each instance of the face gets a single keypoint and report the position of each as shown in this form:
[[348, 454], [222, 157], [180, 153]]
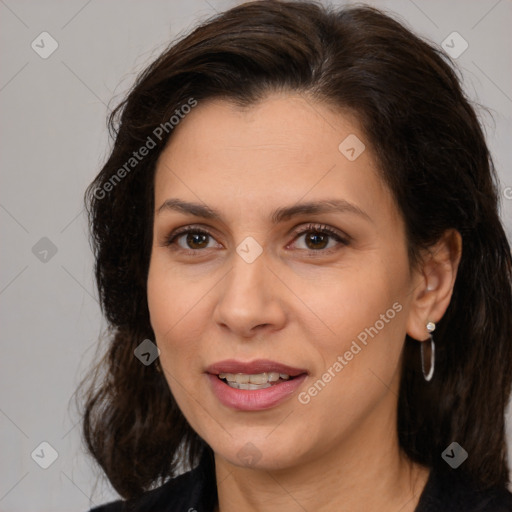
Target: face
[[292, 281]]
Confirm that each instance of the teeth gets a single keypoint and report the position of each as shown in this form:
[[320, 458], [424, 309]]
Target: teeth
[[261, 378], [249, 386], [255, 381]]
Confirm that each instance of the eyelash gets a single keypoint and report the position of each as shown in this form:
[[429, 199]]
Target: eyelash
[[316, 228]]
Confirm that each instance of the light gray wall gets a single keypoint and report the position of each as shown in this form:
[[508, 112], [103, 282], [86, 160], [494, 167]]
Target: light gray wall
[[53, 141]]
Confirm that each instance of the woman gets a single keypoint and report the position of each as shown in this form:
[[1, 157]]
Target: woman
[[299, 253]]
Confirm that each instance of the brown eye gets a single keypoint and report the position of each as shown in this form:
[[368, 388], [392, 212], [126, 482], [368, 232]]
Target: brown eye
[[194, 239], [317, 238]]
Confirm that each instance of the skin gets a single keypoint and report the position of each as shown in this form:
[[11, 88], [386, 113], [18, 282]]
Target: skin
[[301, 302]]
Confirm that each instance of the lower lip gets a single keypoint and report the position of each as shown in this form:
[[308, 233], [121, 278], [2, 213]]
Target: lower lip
[[254, 399]]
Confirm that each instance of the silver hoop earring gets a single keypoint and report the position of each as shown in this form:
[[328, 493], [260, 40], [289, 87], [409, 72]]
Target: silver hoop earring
[[428, 376]]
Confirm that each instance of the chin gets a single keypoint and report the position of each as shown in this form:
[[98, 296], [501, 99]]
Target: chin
[[260, 453]]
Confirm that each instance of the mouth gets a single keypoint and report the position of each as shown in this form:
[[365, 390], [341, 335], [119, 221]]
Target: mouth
[[256, 385]]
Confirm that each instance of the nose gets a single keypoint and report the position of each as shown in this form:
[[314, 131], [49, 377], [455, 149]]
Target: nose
[[249, 299]]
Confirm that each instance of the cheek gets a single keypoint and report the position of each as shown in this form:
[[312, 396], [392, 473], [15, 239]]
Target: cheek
[[350, 300], [359, 357], [171, 295], [172, 313], [169, 302], [179, 308]]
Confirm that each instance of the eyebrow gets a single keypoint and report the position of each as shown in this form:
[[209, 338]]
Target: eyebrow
[[279, 215]]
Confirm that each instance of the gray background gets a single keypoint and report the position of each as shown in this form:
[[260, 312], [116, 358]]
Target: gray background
[[53, 143]]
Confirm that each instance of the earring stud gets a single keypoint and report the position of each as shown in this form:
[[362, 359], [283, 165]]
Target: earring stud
[[431, 326]]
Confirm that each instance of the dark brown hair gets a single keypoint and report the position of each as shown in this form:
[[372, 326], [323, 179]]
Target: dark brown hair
[[432, 154]]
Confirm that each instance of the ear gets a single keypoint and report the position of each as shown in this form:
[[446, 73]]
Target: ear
[[433, 284]]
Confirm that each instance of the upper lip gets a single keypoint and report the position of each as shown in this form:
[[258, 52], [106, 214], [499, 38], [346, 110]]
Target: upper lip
[[253, 367]]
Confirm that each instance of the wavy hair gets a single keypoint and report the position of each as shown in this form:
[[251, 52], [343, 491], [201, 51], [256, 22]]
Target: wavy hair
[[432, 154]]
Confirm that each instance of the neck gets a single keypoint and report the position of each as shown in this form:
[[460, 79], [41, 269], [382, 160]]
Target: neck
[[382, 488], [367, 472]]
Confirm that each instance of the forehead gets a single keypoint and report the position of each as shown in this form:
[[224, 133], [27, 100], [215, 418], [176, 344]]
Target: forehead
[[280, 150]]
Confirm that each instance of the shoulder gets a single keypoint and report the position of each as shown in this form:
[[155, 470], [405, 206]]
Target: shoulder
[[193, 490], [454, 492]]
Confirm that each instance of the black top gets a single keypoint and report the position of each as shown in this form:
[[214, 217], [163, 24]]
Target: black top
[[195, 491]]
